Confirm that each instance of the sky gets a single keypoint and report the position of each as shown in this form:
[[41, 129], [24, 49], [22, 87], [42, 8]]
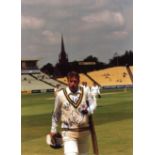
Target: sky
[[89, 27]]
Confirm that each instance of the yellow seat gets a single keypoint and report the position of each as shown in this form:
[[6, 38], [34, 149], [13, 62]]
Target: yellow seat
[[111, 76]]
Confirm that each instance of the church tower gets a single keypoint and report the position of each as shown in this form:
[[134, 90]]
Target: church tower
[[63, 57]]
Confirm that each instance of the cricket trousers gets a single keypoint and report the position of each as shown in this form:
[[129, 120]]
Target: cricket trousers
[[76, 146]]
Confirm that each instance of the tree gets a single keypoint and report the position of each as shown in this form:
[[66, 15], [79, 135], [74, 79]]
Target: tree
[[91, 58], [48, 69], [122, 60]]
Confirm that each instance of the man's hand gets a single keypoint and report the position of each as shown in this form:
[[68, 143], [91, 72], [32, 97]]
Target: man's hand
[[54, 140], [52, 133], [49, 137]]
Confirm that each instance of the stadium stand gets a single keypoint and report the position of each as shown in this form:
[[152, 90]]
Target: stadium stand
[[28, 83], [84, 78], [33, 80], [45, 78], [40, 76], [115, 76], [63, 79]]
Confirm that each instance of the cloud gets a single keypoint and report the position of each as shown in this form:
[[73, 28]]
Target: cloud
[[29, 22], [120, 34], [105, 17], [51, 37]]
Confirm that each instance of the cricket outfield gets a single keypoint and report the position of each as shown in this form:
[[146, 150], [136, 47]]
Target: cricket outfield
[[113, 123]]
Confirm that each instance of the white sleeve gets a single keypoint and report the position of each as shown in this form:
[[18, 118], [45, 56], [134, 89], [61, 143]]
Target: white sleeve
[[56, 114], [92, 103]]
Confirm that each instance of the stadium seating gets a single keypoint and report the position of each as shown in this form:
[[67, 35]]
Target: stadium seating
[[63, 79], [30, 83], [111, 76], [41, 76], [84, 78], [114, 76], [47, 79]]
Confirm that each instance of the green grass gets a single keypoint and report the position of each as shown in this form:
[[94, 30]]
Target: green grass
[[113, 124]]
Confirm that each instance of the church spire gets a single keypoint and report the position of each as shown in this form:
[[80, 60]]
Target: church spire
[[63, 58], [62, 45]]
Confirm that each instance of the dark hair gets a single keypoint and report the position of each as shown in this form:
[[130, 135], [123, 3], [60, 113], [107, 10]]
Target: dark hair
[[73, 74]]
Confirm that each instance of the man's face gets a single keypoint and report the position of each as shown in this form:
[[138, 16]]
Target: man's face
[[73, 83]]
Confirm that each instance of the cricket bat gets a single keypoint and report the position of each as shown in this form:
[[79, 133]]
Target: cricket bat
[[93, 134]]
